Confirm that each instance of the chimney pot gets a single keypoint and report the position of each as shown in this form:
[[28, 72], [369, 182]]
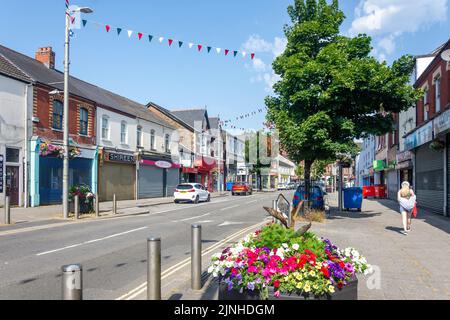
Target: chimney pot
[[46, 56]]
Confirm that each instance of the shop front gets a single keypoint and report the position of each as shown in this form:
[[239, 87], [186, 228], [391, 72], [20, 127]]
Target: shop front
[[157, 177], [46, 174], [117, 175], [405, 167], [206, 167]]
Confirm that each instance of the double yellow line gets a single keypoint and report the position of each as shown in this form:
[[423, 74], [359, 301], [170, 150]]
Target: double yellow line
[[166, 273]]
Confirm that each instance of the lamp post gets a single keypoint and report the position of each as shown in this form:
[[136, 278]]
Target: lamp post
[[66, 109]]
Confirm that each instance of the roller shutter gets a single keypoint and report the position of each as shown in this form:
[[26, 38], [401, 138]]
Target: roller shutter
[[118, 179], [151, 182], [392, 184], [430, 179], [173, 179]]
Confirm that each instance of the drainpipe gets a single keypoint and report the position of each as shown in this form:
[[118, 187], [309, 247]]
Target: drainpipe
[[25, 164]]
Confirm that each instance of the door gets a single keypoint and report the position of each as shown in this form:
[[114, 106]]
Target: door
[[12, 185]]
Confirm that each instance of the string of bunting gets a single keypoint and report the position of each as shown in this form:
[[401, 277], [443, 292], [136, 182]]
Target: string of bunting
[[169, 40], [230, 122]]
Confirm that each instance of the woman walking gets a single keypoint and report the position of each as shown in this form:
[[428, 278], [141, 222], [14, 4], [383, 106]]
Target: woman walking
[[407, 201]]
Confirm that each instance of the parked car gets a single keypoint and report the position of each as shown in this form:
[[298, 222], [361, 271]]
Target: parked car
[[241, 188], [192, 192], [282, 186], [316, 196], [291, 186]]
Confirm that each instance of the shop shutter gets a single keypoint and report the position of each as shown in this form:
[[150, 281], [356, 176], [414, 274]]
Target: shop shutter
[[118, 179], [447, 179], [430, 179], [151, 182], [173, 179], [392, 184]]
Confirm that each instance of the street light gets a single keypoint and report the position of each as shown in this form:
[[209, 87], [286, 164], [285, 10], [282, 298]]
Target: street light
[[66, 109]]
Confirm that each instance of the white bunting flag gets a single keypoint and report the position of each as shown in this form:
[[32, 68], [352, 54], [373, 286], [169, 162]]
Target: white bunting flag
[[218, 50], [190, 45], [161, 39], [130, 33], [244, 54]]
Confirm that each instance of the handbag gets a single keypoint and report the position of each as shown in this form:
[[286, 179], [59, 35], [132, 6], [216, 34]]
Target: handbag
[[414, 211]]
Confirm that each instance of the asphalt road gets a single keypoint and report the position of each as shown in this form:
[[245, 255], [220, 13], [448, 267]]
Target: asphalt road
[[113, 251]]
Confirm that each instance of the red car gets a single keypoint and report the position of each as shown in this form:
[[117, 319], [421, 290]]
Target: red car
[[241, 188]]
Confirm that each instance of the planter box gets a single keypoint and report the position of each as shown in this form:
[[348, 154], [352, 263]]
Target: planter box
[[349, 292], [84, 207]]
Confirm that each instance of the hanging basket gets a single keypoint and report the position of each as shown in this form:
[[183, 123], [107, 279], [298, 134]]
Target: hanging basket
[[437, 145]]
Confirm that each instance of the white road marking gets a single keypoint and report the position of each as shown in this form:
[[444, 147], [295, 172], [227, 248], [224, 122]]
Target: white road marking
[[228, 208], [229, 223], [192, 218], [143, 287], [252, 201], [91, 241]]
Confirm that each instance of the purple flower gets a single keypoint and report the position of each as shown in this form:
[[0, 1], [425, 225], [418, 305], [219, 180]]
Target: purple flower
[[241, 290], [230, 286], [251, 286], [239, 277]]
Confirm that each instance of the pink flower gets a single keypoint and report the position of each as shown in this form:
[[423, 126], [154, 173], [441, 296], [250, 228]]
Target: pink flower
[[277, 294], [253, 269]]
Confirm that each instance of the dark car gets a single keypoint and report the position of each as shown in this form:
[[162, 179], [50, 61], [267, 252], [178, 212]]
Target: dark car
[[241, 188], [316, 196]]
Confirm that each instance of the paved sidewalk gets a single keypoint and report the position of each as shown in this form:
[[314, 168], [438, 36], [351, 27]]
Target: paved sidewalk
[[413, 267], [53, 214]]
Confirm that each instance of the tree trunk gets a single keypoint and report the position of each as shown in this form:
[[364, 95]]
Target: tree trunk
[[307, 176]]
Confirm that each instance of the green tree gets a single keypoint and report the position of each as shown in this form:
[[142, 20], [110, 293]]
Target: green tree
[[257, 148], [331, 89]]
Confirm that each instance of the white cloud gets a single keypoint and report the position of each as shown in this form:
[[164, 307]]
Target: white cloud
[[387, 20], [265, 74]]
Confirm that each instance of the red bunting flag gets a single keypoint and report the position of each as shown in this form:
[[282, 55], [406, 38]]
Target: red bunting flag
[[199, 47], [140, 35], [253, 56], [72, 19], [108, 28], [170, 42], [226, 51]]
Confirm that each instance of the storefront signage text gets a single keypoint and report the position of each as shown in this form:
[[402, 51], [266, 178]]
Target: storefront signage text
[[117, 157], [442, 123], [419, 137]]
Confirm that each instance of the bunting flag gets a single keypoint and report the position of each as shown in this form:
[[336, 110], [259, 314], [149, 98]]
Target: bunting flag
[[230, 123], [170, 41]]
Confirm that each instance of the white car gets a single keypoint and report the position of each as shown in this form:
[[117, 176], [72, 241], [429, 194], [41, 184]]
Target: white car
[[282, 186], [193, 192]]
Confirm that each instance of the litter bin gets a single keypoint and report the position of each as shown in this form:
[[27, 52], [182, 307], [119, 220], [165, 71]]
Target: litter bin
[[368, 191], [229, 186], [353, 198]]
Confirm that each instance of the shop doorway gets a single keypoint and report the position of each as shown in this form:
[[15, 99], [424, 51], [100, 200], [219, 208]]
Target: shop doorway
[[12, 185]]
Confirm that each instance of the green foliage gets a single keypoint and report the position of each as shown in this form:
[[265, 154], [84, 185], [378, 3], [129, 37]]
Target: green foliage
[[331, 90], [274, 235]]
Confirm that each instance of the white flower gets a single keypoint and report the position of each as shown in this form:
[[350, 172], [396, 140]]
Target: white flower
[[295, 246], [210, 269], [285, 245]]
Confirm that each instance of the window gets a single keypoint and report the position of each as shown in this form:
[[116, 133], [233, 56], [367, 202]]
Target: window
[[139, 136], [437, 85], [425, 97], [152, 140], [58, 111], [105, 128], [123, 132], [12, 155], [167, 143], [84, 116]]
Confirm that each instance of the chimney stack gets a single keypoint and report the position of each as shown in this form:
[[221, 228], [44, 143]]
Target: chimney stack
[[46, 56]]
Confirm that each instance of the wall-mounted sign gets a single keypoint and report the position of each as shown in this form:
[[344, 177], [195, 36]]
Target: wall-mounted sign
[[1, 173], [404, 156], [119, 157], [419, 137], [161, 164], [442, 123]]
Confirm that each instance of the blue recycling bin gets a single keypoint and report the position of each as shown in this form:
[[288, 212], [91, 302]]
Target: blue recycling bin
[[229, 186], [353, 198]]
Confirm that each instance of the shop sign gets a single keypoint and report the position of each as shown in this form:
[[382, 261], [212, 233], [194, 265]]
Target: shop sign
[[119, 157], [404, 156], [1, 173], [442, 123], [160, 164], [163, 164], [378, 165], [419, 137]]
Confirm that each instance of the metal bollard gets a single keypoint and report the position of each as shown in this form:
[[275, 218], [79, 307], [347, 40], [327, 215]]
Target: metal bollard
[[154, 269], [196, 257], [77, 207], [114, 204], [7, 211], [97, 206], [72, 282]]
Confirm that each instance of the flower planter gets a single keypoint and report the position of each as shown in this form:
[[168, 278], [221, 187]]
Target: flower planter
[[83, 207], [349, 292]]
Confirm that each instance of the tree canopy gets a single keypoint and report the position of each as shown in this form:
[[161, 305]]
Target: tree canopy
[[331, 89]]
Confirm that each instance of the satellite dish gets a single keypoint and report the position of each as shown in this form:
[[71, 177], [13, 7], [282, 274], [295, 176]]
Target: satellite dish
[[446, 55]]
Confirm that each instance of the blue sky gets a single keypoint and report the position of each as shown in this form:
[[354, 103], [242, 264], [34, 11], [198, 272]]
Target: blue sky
[[183, 78]]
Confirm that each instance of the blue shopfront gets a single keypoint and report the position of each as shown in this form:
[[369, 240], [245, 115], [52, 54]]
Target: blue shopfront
[[46, 174]]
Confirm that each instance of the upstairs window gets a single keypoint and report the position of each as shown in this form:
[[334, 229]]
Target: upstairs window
[[123, 132], [437, 86], [152, 140], [58, 113], [105, 128], [139, 136], [167, 143], [84, 116]]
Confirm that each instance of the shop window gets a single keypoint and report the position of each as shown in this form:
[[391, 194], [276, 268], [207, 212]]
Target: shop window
[[84, 117], [58, 112]]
